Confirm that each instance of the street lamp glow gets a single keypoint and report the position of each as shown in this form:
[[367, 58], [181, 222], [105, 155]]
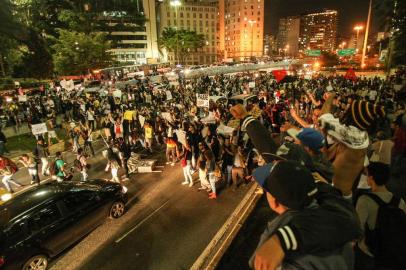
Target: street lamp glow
[[358, 27], [175, 3]]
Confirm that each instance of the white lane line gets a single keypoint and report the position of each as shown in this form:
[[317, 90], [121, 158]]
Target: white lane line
[[140, 223]]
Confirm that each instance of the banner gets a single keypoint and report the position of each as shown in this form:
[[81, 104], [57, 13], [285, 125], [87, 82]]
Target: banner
[[181, 136], [39, 128], [202, 100], [168, 95], [350, 75], [22, 98], [142, 120]]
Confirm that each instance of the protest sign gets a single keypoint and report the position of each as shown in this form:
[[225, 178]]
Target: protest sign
[[39, 128], [117, 94], [142, 120], [181, 136], [168, 95], [22, 98], [251, 84], [202, 100], [167, 116], [225, 130]]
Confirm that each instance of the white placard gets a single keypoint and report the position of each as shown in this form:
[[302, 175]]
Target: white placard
[[39, 128], [397, 87], [141, 119], [251, 84], [117, 94], [225, 130], [329, 88], [202, 100], [83, 107], [168, 95], [167, 116], [174, 83], [181, 136], [22, 98]]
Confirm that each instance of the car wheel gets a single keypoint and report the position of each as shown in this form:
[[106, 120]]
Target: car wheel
[[38, 262], [117, 209]]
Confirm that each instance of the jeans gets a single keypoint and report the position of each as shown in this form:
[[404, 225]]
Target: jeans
[[7, 180], [33, 172], [229, 169], [44, 166], [84, 175], [187, 174], [212, 180]]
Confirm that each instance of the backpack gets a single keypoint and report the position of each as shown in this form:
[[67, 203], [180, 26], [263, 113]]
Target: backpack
[[53, 168], [388, 240], [77, 164]]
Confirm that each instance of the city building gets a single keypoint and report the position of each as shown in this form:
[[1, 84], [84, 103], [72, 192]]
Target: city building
[[131, 42], [292, 37], [282, 36], [200, 16], [241, 25], [318, 30], [270, 46]]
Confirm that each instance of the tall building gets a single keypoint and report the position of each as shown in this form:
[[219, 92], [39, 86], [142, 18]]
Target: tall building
[[200, 16], [242, 27], [318, 30], [282, 36], [270, 46], [133, 43]]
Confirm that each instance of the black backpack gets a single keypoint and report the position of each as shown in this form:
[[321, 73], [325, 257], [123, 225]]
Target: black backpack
[[388, 240]]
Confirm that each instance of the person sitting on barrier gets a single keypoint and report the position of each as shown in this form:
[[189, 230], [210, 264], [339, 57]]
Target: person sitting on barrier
[[323, 229]]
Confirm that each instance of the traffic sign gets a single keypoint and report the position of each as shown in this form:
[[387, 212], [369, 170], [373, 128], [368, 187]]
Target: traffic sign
[[346, 52], [313, 52]]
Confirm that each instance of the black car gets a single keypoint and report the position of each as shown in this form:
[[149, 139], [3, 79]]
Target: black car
[[42, 222]]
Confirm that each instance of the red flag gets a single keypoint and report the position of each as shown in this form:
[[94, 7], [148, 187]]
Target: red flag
[[350, 75], [279, 74]]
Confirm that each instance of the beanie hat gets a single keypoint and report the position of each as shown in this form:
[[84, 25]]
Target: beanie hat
[[289, 182], [364, 114]]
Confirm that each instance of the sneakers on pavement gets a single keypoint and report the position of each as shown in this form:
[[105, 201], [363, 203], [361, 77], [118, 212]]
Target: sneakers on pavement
[[185, 183], [191, 184]]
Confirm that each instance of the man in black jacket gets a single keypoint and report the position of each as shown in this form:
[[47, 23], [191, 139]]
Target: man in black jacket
[[315, 231]]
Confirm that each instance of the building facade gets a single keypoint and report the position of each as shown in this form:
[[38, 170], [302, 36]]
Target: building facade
[[318, 30], [200, 16], [131, 42], [270, 46], [242, 28]]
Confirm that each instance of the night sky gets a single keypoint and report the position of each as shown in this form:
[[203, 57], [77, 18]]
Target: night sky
[[350, 12]]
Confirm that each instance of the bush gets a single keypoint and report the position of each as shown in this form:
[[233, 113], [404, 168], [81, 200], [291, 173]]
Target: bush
[[8, 83]]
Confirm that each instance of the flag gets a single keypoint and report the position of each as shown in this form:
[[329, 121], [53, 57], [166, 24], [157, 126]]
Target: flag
[[350, 75], [279, 74]]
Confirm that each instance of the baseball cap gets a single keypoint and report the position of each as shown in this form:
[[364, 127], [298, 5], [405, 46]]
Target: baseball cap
[[288, 181], [308, 137]]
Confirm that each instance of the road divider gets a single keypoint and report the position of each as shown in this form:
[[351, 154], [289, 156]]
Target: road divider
[[215, 250]]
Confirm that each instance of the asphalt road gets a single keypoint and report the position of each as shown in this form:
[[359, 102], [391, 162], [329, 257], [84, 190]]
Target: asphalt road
[[167, 225]]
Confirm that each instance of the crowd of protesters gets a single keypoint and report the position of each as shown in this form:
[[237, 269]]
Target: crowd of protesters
[[347, 133]]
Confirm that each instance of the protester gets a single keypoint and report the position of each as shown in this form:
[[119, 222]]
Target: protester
[[7, 170], [32, 167], [41, 154]]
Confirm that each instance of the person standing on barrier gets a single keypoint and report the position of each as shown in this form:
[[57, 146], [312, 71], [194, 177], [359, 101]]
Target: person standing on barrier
[[41, 153]]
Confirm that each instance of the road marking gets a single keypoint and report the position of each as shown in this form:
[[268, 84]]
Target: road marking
[[141, 222]]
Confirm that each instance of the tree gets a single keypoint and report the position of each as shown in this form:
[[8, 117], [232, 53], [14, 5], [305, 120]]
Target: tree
[[393, 14], [329, 59], [77, 53], [181, 42]]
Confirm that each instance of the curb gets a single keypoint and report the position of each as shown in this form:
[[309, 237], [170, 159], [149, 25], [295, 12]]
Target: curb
[[215, 250]]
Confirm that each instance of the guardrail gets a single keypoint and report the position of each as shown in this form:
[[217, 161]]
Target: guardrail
[[215, 250], [211, 71]]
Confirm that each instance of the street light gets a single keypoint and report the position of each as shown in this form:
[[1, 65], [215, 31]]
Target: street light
[[358, 28], [252, 36], [176, 4]]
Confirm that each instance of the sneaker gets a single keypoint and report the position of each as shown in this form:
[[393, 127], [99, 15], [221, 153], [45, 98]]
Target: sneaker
[[173, 164], [212, 196], [168, 162], [191, 184], [185, 183]]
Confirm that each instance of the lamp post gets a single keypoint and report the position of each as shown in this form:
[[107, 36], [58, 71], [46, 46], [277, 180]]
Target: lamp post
[[176, 4], [252, 36], [364, 48]]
